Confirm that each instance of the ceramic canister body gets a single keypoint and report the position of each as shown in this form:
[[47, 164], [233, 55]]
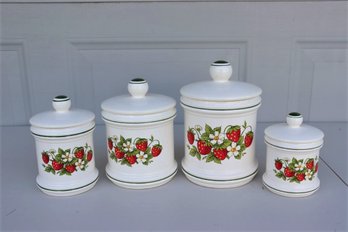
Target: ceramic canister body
[[292, 172], [147, 156], [292, 157], [61, 178], [232, 165]]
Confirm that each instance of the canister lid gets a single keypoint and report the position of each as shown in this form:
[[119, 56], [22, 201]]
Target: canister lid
[[138, 106], [221, 93], [293, 134], [62, 121]]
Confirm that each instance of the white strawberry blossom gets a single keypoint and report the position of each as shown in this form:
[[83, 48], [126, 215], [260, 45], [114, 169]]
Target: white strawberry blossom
[[198, 127], [141, 157], [80, 164], [114, 140], [216, 138], [308, 174], [299, 166], [67, 157], [233, 149], [127, 147]]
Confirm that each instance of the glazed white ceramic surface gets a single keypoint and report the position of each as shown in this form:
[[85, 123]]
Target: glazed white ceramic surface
[[221, 93], [231, 172], [138, 106], [156, 127], [235, 108], [62, 120], [298, 151], [60, 182], [294, 134]]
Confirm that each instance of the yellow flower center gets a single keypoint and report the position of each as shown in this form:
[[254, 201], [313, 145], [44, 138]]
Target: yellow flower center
[[216, 137]]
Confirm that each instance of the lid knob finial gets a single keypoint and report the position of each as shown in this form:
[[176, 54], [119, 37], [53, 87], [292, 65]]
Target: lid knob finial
[[138, 87], [294, 119], [221, 71], [61, 103]]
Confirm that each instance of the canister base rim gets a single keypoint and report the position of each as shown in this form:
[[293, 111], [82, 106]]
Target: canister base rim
[[68, 192], [142, 185], [220, 183], [289, 193]]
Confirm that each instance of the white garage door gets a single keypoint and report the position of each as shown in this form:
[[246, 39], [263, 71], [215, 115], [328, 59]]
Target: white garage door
[[295, 51]]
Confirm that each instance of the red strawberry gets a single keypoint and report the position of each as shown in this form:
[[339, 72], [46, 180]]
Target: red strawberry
[[110, 144], [278, 165], [141, 145], [220, 153], [190, 136], [233, 133], [248, 138], [310, 164], [89, 155], [56, 166], [131, 159], [300, 176], [45, 157], [79, 153], [316, 167], [156, 150], [118, 153], [203, 147], [70, 168], [288, 172]]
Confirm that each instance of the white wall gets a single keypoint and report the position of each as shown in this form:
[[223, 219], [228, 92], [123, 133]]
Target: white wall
[[295, 51]]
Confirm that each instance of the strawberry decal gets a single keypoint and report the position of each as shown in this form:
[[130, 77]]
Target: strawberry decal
[[220, 153], [300, 176], [89, 155], [141, 145], [79, 153], [45, 157], [131, 159], [56, 165], [217, 144], [295, 170], [110, 144], [203, 147], [190, 136], [119, 153], [68, 161], [248, 138], [70, 168], [127, 151], [288, 172], [233, 133], [310, 164], [278, 164], [156, 150]]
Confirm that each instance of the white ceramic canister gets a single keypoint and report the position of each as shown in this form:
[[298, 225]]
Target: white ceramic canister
[[292, 157], [140, 137], [220, 123], [64, 149]]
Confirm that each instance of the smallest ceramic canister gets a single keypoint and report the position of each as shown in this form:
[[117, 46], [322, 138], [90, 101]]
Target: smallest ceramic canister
[[292, 157], [64, 149]]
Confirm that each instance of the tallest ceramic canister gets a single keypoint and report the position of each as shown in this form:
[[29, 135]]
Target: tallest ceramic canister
[[140, 137], [220, 123]]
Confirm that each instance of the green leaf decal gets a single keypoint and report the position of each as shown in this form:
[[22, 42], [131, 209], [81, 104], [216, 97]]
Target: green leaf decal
[[208, 129], [60, 151]]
